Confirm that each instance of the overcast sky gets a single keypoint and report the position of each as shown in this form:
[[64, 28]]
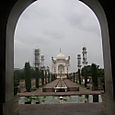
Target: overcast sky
[[53, 24]]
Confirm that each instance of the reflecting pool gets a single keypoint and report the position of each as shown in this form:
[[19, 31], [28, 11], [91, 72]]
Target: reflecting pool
[[59, 99]]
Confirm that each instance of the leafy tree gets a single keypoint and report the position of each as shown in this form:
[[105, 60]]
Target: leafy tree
[[86, 76], [37, 75], [86, 69], [94, 74], [19, 74], [70, 76], [16, 84], [42, 77], [79, 76], [85, 73], [48, 77], [51, 77], [67, 76], [27, 72], [55, 76], [32, 71], [73, 77], [101, 77], [45, 77]]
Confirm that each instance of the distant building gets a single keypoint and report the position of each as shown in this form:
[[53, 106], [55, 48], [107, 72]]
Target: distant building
[[61, 65]]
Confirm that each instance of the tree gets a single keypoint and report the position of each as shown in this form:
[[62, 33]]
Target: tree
[[27, 73], [16, 83], [73, 77], [48, 77], [85, 73], [85, 76], [51, 77], [94, 74], [70, 76], [37, 75], [42, 77], [79, 76], [19, 74], [88, 68], [67, 76], [101, 77], [45, 77]]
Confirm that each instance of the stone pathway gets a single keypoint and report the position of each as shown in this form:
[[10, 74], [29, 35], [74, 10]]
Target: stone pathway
[[52, 84], [39, 92]]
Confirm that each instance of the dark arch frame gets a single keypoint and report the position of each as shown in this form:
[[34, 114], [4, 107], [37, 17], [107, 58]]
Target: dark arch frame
[[18, 8]]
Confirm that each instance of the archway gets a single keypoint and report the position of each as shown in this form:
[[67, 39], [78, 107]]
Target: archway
[[12, 20]]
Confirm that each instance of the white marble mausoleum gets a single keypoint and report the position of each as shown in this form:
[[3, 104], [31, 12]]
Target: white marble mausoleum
[[61, 65]]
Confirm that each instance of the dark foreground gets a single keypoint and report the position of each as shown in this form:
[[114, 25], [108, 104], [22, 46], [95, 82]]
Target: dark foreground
[[61, 109]]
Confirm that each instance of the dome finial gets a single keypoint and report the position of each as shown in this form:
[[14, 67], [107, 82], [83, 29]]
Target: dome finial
[[60, 50]]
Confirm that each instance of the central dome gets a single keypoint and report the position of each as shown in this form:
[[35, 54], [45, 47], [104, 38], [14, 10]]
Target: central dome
[[60, 56]]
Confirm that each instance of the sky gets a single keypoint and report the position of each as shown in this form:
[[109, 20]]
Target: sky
[[53, 24]]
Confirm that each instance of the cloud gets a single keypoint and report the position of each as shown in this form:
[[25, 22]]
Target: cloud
[[54, 24]]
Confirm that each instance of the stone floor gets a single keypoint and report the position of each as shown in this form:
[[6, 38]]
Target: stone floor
[[61, 109]]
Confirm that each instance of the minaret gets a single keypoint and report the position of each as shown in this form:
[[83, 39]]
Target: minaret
[[42, 61], [68, 65], [84, 56], [79, 67], [37, 58], [79, 61]]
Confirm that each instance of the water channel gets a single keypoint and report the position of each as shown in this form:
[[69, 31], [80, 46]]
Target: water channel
[[58, 99]]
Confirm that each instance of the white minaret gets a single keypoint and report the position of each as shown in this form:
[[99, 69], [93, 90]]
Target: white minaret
[[37, 58], [42, 61], [79, 61], [84, 56], [68, 65], [79, 67]]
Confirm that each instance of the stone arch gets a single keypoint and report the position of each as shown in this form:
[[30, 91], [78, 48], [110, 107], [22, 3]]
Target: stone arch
[[18, 8]]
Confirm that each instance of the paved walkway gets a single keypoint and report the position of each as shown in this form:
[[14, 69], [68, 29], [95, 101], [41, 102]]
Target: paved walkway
[[52, 84], [61, 109], [82, 91]]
